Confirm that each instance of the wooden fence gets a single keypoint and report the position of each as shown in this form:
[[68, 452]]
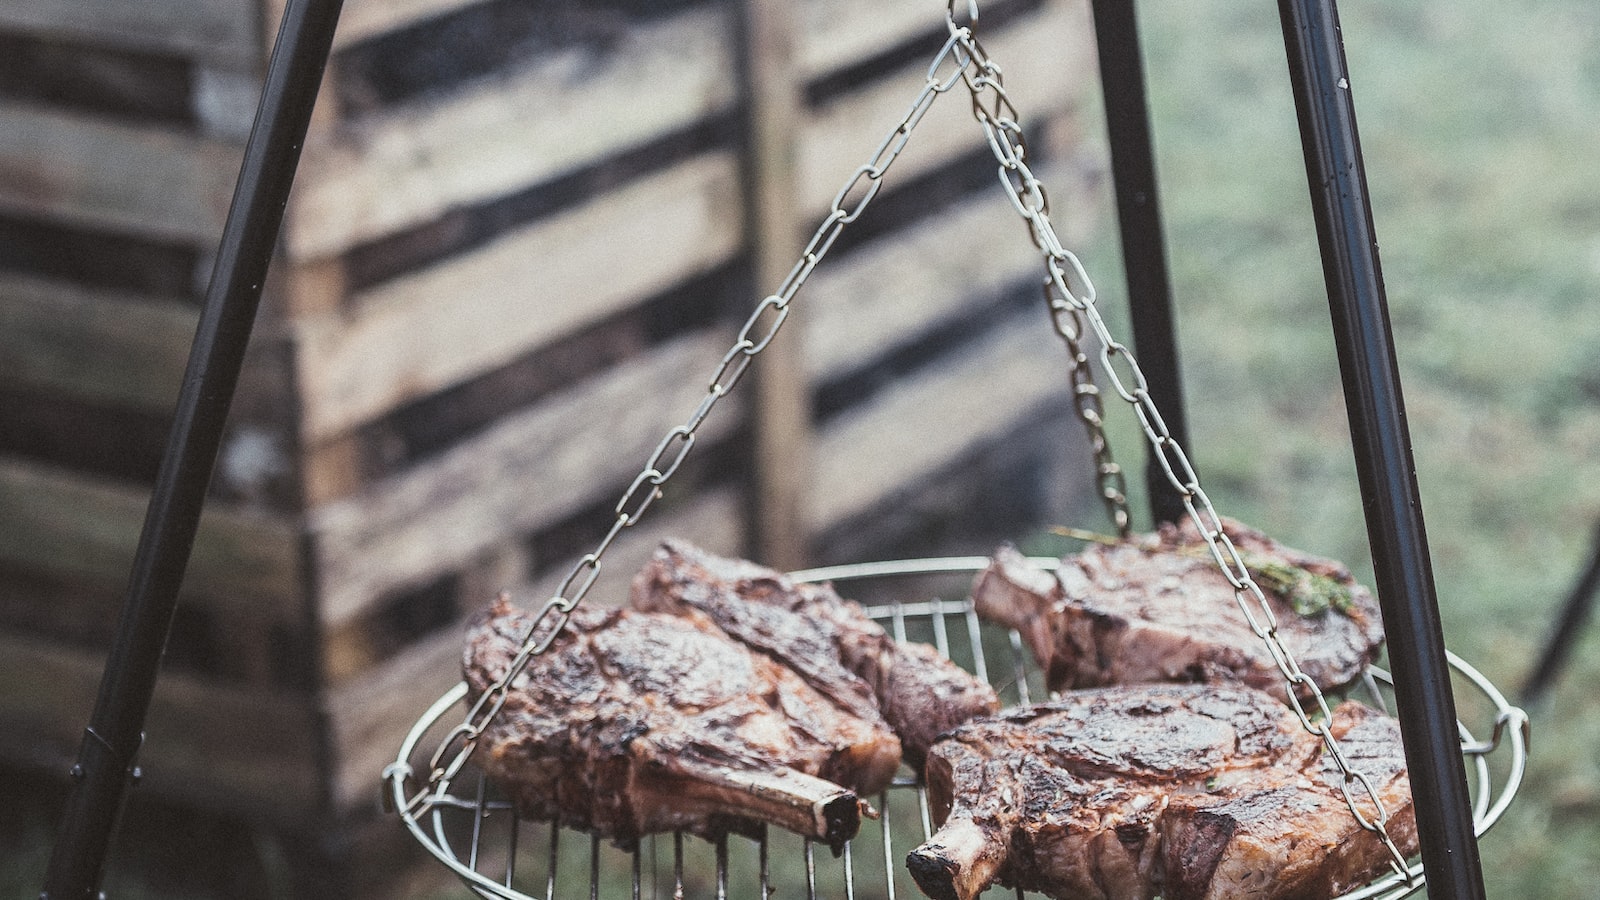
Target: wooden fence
[[523, 234]]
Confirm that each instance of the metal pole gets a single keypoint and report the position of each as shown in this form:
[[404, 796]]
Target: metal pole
[[111, 742], [1404, 575], [1568, 627], [1144, 250]]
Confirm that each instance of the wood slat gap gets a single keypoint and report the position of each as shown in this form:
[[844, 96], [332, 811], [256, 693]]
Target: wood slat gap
[[892, 46], [103, 440], [39, 246], [128, 85], [466, 43]]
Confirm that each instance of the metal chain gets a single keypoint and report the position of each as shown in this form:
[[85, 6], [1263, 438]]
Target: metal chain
[[1069, 286], [1003, 132], [1070, 294], [946, 71], [1110, 480]]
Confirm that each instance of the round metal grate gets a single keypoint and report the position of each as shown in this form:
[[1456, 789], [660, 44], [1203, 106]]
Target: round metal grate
[[470, 828]]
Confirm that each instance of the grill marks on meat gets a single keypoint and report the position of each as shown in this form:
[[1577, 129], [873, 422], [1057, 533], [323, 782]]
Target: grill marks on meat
[[633, 723], [1156, 608], [1192, 792], [830, 641]]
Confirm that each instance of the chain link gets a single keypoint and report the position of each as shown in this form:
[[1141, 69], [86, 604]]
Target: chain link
[[948, 68], [1110, 480], [1070, 294]]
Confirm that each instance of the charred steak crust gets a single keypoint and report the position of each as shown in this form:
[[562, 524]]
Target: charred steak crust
[[1300, 840], [1156, 608], [829, 641], [1189, 792], [634, 723]]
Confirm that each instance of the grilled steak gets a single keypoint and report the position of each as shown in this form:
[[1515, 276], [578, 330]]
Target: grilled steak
[[1157, 608], [1182, 791], [633, 723], [829, 641]]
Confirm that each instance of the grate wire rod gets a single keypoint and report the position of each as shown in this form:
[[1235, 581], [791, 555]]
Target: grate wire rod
[[888, 846]]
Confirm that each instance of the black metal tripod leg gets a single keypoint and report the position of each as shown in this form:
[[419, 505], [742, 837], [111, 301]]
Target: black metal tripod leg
[[1144, 248], [1569, 626], [1404, 575], [115, 732]]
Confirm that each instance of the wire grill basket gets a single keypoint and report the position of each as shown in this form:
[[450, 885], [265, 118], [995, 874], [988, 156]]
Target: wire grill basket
[[469, 827]]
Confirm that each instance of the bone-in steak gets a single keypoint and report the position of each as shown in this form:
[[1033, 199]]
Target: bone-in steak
[[1156, 607], [633, 723], [1189, 792], [830, 641]]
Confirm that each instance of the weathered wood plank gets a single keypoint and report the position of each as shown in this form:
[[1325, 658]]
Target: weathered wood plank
[[142, 179], [377, 175], [921, 425], [893, 290], [55, 521], [64, 339], [838, 33], [534, 468], [351, 374], [414, 336], [370, 714], [863, 306], [362, 644], [242, 750], [222, 30], [1048, 61], [233, 643]]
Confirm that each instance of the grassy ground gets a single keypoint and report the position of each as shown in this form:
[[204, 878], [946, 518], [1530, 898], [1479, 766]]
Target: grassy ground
[[1479, 122]]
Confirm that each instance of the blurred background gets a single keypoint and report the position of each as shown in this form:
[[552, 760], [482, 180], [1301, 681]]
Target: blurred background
[[523, 235]]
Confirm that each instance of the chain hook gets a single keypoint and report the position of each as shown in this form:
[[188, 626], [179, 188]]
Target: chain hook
[[952, 17]]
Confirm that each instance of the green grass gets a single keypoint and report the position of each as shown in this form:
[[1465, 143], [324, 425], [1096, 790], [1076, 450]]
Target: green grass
[[1478, 124]]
